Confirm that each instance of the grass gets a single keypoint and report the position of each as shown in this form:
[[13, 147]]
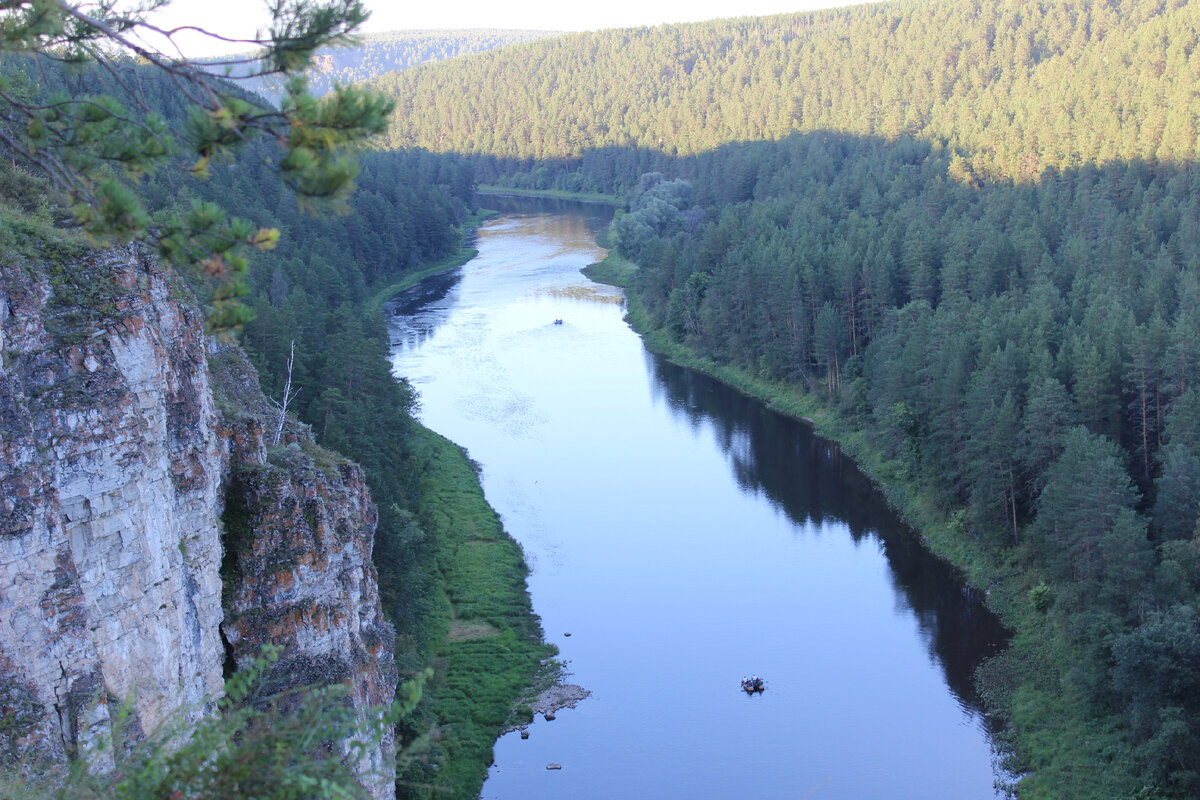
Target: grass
[[461, 256], [34, 236], [614, 270], [381, 295], [491, 647], [472, 619]]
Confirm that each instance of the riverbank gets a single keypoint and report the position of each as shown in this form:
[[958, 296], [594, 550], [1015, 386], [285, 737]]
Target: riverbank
[[491, 648], [547, 702], [461, 256], [550, 194], [790, 400], [1049, 740], [483, 641]]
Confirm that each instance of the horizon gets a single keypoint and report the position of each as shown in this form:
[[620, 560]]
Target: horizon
[[475, 14]]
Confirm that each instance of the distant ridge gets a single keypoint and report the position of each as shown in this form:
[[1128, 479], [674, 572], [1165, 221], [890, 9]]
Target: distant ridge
[[1014, 87], [379, 53]]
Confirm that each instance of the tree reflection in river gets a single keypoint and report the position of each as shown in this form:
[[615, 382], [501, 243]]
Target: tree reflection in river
[[812, 481]]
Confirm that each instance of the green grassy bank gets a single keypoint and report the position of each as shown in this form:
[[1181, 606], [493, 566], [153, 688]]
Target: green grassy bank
[[454, 581], [490, 647], [1048, 740]]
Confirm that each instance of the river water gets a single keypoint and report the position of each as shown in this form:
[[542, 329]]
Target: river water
[[681, 536]]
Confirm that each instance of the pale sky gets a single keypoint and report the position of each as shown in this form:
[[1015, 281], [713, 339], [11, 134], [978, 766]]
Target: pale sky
[[240, 17], [575, 16]]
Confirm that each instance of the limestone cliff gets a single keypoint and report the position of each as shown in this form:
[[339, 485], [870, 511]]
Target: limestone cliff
[[110, 475], [115, 469], [300, 528]]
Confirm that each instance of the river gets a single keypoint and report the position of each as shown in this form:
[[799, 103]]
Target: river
[[681, 536]]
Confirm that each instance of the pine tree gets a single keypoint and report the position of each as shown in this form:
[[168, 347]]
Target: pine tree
[[1086, 491], [95, 143]]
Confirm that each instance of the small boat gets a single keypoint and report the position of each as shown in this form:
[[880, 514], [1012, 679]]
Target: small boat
[[558, 322], [752, 685]]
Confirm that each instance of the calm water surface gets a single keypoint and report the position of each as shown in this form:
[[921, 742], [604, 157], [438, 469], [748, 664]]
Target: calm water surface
[[684, 537]]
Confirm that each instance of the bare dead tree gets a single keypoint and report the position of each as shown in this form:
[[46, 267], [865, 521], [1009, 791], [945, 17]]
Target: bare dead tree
[[288, 396]]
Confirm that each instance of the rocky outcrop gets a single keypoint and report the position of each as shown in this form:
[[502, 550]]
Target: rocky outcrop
[[300, 528], [118, 476], [110, 473]]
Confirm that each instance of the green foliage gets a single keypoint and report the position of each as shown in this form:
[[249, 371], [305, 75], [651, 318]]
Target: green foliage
[[974, 392], [1062, 763], [1154, 666], [1014, 88], [32, 238], [1177, 506], [286, 746], [1086, 491], [491, 643], [94, 149], [614, 270], [1041, 597]]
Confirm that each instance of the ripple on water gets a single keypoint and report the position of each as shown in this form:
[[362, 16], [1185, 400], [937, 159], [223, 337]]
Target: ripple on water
[[512, 413]]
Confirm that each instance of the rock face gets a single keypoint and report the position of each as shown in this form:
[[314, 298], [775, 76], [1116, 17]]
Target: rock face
[[117, 477], [300, 528], [110, 476]]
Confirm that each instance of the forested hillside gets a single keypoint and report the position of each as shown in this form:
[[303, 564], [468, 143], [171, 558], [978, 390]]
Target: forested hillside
[[1027, 354], [973, 230], [1012, 87], [378, 53]]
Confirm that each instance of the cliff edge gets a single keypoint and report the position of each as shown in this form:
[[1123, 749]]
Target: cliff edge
[[148, 534]]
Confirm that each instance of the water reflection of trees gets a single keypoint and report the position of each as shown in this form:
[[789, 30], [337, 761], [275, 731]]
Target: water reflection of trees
[[417, 313], [597, 215], [810, 480]]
